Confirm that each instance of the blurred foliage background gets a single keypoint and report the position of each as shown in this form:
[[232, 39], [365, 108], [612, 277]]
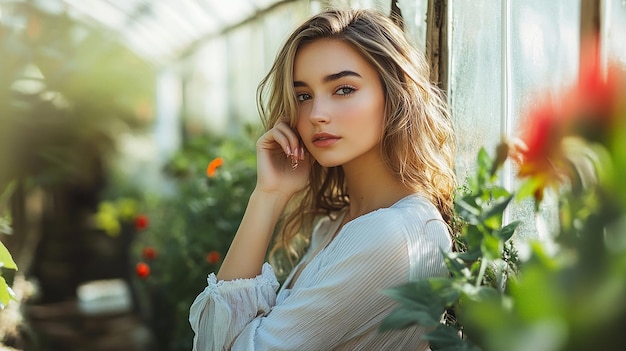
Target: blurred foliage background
[[66, 92], [70, 213], [188, 233]]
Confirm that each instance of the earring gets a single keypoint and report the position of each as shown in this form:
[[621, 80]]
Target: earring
[[294, 162]]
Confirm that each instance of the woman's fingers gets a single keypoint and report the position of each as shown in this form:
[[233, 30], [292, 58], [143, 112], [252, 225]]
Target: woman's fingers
[[280, 160], [288, 139]]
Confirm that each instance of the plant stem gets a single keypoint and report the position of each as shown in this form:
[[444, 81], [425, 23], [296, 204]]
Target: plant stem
[[481, 272]]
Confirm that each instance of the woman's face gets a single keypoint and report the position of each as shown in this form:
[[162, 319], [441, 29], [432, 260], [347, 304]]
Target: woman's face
[[341, 104]]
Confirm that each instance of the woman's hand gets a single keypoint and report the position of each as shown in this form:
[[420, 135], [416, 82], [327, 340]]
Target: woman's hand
[[283, 165]]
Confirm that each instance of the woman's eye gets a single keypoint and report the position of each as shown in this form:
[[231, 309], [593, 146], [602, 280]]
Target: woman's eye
[[303, 97], [345, 91]]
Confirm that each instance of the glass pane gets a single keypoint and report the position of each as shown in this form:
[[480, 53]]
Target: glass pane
[[614, 30], [506, 57], [475, 79], [414, 14], [545, 38], [206, 96], [544, 50], [223, 73]]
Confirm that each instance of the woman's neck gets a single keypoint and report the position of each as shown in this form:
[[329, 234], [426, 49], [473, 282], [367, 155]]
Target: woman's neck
[[372, 187]]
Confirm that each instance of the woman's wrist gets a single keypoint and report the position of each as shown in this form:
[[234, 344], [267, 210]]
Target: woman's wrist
[[271, 199], [249, 247]]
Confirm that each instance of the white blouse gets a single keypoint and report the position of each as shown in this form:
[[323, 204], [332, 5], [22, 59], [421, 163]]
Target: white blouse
[[336, 303]]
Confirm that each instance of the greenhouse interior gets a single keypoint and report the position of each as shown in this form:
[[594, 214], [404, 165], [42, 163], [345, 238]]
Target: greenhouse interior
[[128, 155]]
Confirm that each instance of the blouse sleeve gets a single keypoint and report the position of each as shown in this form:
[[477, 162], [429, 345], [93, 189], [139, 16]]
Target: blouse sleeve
[[224, 308]]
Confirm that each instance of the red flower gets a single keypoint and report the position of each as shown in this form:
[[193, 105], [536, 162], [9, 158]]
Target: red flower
[[148, 253], [213, 257], [213, 166], [592, 104], [542, 139], [141, 222], [542, 156], [142, 270]]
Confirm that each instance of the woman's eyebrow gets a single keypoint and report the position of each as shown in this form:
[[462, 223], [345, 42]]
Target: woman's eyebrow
[[330, 78]]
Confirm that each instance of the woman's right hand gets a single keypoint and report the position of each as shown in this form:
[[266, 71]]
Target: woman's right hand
[[277, 152]]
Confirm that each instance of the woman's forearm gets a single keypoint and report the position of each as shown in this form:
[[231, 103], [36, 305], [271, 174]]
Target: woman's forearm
[[247, 252]]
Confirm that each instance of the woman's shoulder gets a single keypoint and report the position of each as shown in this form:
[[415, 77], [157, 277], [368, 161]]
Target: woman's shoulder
[[412, 227], [412, 218], [412, 210]]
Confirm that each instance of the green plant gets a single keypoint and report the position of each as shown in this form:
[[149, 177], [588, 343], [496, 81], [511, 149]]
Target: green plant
[[571, 299], [485, 259], [187, 234], [6, 262]]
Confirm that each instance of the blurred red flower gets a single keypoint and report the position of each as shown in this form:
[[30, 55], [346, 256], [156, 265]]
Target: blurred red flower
[[149, 253], [592, 104], [589, 109], [213, 257], [141, 222], [542, 153], [213, 166], [142, 270]]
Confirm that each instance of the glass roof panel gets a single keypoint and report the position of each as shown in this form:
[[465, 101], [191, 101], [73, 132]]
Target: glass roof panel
[[159, 30], [107, 14]]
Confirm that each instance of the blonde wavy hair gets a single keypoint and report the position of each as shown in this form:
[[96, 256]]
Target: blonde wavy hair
[[418, 142]]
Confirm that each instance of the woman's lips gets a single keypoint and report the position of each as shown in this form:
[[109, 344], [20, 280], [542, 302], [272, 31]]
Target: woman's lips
[[324, 139]]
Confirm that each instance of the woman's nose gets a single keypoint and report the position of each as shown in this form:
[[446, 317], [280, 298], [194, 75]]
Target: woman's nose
[[319, 112]]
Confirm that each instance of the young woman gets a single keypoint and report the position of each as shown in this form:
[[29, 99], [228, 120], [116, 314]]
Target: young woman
[[357, 162]]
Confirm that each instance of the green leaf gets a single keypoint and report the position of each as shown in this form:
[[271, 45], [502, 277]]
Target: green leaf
[[445, 289], [416, 295], [491, 248], [455, 265], [502, 153], [471, 255], [443, 336], [402, 318], [480, 293], [493, 216], [469, 213], [528, 188], [6, 293], [484, 163], [505, 233], [474, 237], [6, 260], [446, 338], [419, 303], [498, 192]]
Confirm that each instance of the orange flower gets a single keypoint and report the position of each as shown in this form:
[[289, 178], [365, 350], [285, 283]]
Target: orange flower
[[142, 270], [213, 257], [141, 222], [213, 166], [149, 253]]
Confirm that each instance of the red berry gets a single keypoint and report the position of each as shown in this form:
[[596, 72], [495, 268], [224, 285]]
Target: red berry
[[142, 270], [141, 222], [149, 253], [213, 257]]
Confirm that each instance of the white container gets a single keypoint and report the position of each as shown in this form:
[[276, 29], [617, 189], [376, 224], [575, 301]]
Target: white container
[[104, 297]]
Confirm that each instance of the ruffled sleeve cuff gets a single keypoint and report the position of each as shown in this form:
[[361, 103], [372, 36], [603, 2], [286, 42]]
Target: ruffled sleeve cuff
[[224, 308]]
